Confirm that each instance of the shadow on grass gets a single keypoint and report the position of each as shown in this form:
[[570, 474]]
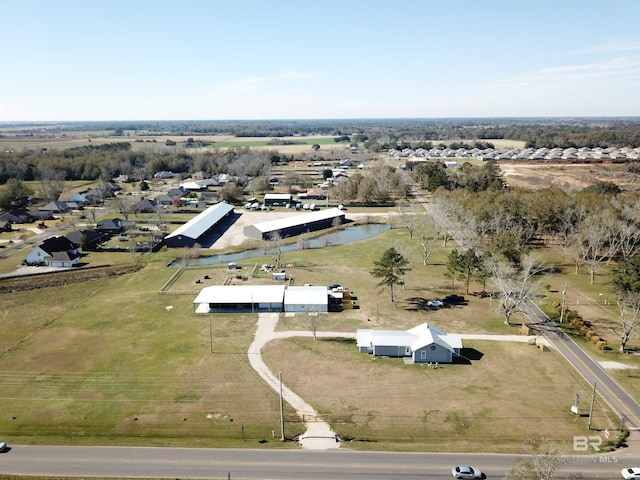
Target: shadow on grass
[[418, 303], [339, 340], [467, 355]]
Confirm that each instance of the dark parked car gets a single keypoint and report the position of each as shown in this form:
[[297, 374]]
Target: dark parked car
[[454, 299]]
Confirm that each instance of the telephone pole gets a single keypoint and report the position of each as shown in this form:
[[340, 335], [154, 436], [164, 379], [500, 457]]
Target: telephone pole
[[564, 299], [281, 408], [593, 400]]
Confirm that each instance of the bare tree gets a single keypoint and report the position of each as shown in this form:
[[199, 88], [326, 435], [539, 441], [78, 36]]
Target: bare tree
[[545, 461], [595, 243], [274, 246], [161, 213], [124, 206], [517, 286], [629, 309], [441, 205], [410, 218], [51, 183], [427, 243], [303, 241], [313, 322]]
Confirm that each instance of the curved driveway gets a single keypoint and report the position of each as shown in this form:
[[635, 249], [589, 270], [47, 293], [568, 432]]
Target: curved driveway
[[318, 434]]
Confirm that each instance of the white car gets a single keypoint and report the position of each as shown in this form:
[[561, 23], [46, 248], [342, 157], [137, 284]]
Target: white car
[[3, 447], [435, 303], [631, 473], [465, 472]]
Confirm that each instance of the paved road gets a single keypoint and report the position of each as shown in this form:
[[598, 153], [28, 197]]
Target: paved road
[[616, 397], [608, 389], [276, 464]]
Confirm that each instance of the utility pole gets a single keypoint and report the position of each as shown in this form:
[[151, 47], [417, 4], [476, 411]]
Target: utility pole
[[281, 408], [593, 400], [564, 299]]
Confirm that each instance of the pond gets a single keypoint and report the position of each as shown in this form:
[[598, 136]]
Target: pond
[[338, 237]]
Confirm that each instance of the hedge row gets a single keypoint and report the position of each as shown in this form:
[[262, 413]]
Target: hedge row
[[583, 328]]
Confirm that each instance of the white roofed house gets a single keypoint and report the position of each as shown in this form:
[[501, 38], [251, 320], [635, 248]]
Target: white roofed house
[[421, 344]]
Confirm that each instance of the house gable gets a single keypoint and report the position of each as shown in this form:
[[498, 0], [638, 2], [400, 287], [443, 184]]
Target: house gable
[[424, 343]]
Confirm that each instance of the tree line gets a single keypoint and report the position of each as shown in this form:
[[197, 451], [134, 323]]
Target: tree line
[[499, 230], [535, 132], [111, 160]]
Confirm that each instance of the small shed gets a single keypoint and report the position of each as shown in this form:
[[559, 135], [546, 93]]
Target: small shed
[[279, 276]]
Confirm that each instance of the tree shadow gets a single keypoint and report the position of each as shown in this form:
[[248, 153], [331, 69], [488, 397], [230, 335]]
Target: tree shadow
[[418, 303]]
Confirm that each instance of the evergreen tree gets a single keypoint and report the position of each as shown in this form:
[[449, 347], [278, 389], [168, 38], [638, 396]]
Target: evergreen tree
[[390, 269]]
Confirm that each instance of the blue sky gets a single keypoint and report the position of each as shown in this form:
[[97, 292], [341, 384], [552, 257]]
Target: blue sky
[[251, 59]]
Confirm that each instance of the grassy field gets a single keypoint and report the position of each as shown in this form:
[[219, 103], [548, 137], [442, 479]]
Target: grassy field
[[112, 361], [142, 141], [157, 142]]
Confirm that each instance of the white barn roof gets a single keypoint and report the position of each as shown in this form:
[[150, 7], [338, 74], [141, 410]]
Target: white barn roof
[[312, 295], [241, 294], [278, 196], [297, 219], [202, 222]]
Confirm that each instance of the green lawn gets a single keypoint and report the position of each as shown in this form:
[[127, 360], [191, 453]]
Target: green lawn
[[112, 361]]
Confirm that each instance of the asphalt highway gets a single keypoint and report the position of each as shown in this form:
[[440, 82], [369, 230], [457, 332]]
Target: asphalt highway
[[278, 464]]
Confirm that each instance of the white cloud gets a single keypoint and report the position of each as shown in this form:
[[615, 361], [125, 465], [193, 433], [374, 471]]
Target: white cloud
[[612, 45], [620, 69]]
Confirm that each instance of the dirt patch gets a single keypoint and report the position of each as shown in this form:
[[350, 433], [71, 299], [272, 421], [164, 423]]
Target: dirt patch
[[616, 365], [52, 279], [572, 175]]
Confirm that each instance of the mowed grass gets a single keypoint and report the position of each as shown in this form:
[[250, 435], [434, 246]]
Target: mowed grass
[[509, 392], [113, 361], [126, 365]]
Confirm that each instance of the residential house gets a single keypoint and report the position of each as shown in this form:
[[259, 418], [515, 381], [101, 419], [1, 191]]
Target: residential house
[[145, 206], [17, 215], [163, 175], [5, 226], [163, 199], [74, 200], [56, 207], [177, 192], [208, 197], [424, 343], [92, 238], [194, 186], [112, 226], [55, 252]]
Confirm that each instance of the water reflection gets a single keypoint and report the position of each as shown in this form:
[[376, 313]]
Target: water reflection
[[338, 237]]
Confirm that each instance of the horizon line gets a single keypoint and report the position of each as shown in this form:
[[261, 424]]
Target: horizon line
[[327, 119]]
